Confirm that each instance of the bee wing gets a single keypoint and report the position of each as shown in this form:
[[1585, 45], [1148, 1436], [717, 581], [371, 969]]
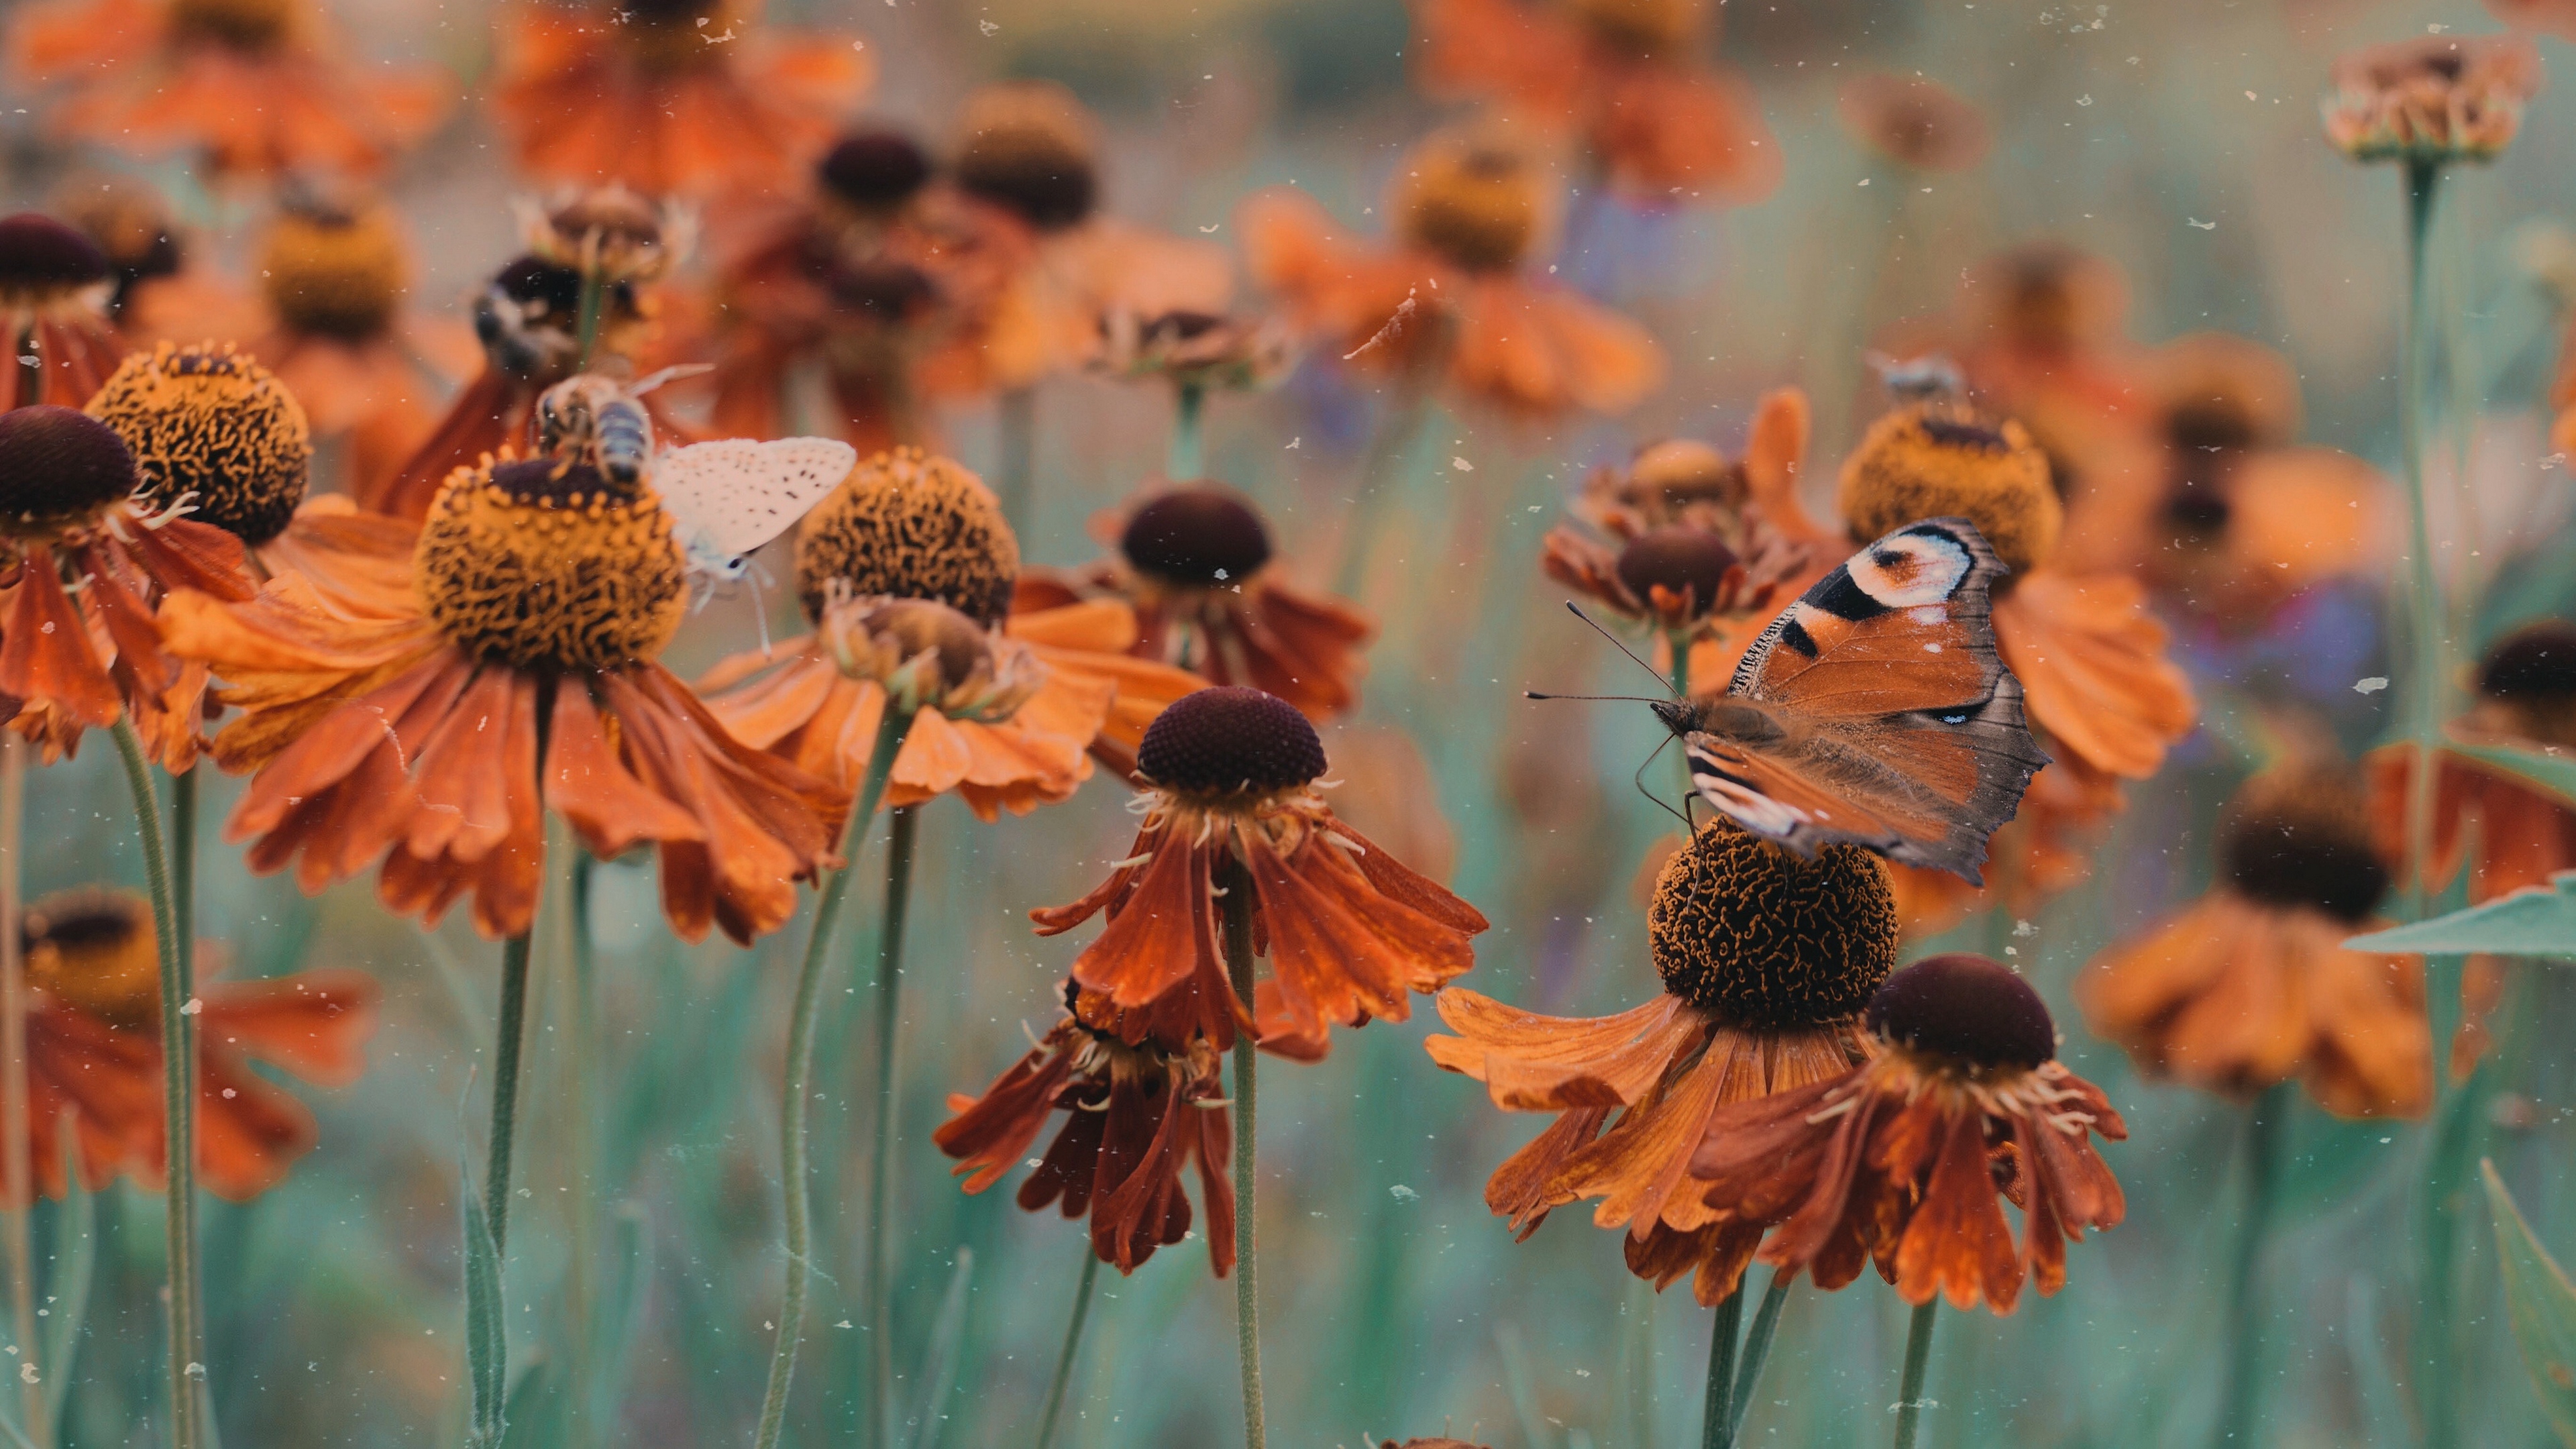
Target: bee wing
[[736, 494]]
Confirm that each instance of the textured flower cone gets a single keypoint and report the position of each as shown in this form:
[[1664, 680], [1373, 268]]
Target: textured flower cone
[[1196, 566], [54, 287], [82, 661], [2103, 698], [1908, 1159], [655, 99], [93, 1040], [1619, 76], [255, 86], [2252, 986], [1448, 302], [1766, 961], [1136, 1116], [413, 738], [1009, 719], [1349, 933]]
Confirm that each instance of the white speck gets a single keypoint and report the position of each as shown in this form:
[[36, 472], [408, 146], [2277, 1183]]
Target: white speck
[[1462, 465], [194, 1006], [845, 1323], [1534, 508], [2024, 929], [1292, 442], [2372, 685], [1931, 648], [2249, 95], [1221, 576], [987, 26], [1864, 181], [2084, 100], [1401, 1193], [1205, 230], [861, 44], [2203, 225]]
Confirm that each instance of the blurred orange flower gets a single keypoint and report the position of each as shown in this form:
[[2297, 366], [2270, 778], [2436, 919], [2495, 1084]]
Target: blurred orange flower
[[1908, 1158], [1447, 304], [259, 87], [1623, 75], [2523, 833], [94, 1051], [1913, 121], [2433, 99], [671, 99], [54, 286]]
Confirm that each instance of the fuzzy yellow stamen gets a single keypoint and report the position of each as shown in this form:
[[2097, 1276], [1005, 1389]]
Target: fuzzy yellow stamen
[[540, 567], [212, 426], [1932, 462], [910, 525]]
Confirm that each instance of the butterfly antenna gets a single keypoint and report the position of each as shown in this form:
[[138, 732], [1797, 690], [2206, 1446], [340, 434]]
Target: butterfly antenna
[[1619, 698], [1639, 780], [760, 605], [1621, 645]]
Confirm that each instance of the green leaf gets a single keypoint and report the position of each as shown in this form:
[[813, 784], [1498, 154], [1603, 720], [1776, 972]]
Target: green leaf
[[487, 1348], [2551, 771], [2541, 1305], [2534, 921], [939, 1368]]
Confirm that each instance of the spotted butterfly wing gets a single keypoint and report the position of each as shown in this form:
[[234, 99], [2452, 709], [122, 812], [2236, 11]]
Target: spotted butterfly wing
[[729, 497], [1874, 711]]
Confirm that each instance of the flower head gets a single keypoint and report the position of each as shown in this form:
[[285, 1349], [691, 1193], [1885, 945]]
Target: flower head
[[1195, 349], [1232, 804], [54, 287], [1939, 461], [1767, 961], [1913, 121], [1136, 1116], [2434, 99], [1472, 197], [609, 232], [2509, 832], [212, 429], [1032, 149], [1908, 1158], [2251, 985], [910, 525], [334, 273], [132, 226], [94, 1051]]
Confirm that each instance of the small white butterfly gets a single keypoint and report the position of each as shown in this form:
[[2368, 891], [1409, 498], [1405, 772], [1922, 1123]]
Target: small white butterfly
[[728, 497]]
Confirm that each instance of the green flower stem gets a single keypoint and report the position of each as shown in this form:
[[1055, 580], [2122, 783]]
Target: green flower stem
[[1072, 1344], [594, 297], [509, 1045], [183, 894], [177, 1092], [1237, 907], [1187, 458], [2240, 1401], [1716, 1430], [14, 1127], [1378, 485], [1757, 1348], [898, 904], [800, 1072], [1918, 1357], [1014, 480], [2423, 179]]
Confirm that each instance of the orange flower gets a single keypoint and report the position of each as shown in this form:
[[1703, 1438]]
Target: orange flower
[[2550, 17], [2039, 332], [1135, 1117], [607, 243], [1766, 962], [1913, 121], [1232, 805], [1195, 564], [163, 291], [1448, 303], [2252, 986], [94, 1051], [1622, 75], [912, 555], [2103, 697], [1908, 1158], [2526, 696], [2434, 99], [54, 285], [257, 86], [521, 679], [669, 98], [89, 563], [335, 330]]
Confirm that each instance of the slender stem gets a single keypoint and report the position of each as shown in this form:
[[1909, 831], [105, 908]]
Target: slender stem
[[1717, 1427], [1377, 486], [1757, 1348], [800, 1072], [581, 1287], [509, 1043], [1014, 479], [594, 297], [1237, 904], [899, 847], [2422, 180], [1187, 458], [2241, 1399], [1638, 1357], [183, 894], [15, 1126], [1072, 1344], [176, 1089], [1918, 1357]]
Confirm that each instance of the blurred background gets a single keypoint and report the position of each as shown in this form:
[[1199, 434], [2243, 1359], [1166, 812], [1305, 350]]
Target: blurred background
[[2179, 142]]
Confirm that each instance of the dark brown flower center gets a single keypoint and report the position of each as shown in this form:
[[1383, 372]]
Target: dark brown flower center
[[1679, 559], [1197, 536], [1748, 932], [1229, 740], [1028, 148], [2535, 664], [58, 463], [249, 25], [334, 275], [2211, 424], [2200, 513], [40, 256], [2303, 846], [1966, 1008], [212, 424], [92, 948], [874, 170], [881, 289], [1963, 433]]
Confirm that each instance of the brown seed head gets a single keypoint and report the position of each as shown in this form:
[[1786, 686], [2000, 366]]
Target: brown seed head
[[1680, 471], [1197, 537], [1472, 196], [43, 260], [1678, 558], [334, 274], [1030, 147], [1748, 932], [873, 171], [1230, 740], [211, 423], [93, 949], [2300, 837], [1966, 1009], [58, 465], [912, 525], [1932, 462], [541, 566]]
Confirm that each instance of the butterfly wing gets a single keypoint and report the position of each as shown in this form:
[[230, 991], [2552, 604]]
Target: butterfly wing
[[1880, 713], [731, 496]]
